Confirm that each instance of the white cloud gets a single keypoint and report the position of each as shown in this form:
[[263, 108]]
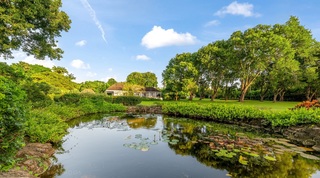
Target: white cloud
[[46, 63], [110, 69], [142, 57], [92, 13], [212, 23], [81, 43], [159, 37], [79, 64], [22, 56], [91, 74], [236, 8]]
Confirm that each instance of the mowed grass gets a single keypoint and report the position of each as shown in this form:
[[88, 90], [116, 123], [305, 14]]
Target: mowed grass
[[265, 105]]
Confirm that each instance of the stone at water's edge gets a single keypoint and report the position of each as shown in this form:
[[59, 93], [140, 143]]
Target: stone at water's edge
[[307, 135], [32, 155], [144, 109]]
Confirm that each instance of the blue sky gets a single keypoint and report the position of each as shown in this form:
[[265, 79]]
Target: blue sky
[[112, 38]]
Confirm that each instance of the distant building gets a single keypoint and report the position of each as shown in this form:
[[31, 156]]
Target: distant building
[[148, 92]]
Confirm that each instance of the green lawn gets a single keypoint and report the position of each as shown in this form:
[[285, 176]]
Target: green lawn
[[269, 105]]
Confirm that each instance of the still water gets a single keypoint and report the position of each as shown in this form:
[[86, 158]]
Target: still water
[[155, 146]]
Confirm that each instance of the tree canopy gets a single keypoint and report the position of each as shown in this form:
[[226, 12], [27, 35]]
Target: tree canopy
[[32, 26], [147, 79], [272, 59]]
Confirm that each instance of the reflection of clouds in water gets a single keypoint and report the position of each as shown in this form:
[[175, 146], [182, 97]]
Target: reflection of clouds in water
[[114, 122]]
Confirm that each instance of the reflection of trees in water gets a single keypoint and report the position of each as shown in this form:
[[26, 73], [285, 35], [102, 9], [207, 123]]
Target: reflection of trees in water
[[142, 122], [288, 164], [54, 171]]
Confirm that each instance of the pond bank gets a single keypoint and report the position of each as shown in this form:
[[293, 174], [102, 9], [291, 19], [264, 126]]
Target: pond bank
[[306, 134], [34, 160]]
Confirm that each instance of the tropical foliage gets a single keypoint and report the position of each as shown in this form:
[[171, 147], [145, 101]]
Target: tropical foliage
[[265, 60]]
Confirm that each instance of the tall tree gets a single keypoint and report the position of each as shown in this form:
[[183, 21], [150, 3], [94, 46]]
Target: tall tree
[[253, 51], [306, 49], [32, 26], [179, 77], [212, 64]]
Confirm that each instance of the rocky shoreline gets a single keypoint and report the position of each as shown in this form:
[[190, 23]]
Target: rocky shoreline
[[34, 159]]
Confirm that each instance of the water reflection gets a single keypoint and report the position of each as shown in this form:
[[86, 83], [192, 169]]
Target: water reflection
[[240, 155], [149, 146]]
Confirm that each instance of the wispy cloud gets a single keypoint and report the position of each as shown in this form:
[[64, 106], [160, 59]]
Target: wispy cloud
[[110, 69], [236, 8], [142, 57], [79, 64], [159, 37], [81, 43], [92, 13], [212, 23]]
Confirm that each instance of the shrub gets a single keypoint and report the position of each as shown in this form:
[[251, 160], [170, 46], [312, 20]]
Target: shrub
[[221, 112], [12, 118], [308, 104], [43, 126], [68, 98], [76, 98], [127, 100]]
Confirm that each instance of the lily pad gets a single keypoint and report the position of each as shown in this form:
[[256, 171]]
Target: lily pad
[[309, 156], [269, 158]]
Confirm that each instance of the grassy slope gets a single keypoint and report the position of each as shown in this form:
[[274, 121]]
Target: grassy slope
[[268, 105]]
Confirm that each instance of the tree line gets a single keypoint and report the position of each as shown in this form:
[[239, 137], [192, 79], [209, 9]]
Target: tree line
[[267, 59]]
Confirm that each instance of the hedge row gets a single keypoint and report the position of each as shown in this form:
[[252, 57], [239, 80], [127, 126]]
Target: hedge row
[[221, 112]]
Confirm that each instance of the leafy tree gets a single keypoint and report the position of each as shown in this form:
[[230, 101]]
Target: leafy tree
[[179, 77], [253, 51], [136, 78], [212, 61], [96, 86], [59, 70], [150, 79], [146, 79], [111, 81], [9, 72], [306, 49], [32, 26], [30, 69], [283, 76]]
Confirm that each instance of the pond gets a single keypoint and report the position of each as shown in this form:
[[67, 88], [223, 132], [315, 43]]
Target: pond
[[158, 146]]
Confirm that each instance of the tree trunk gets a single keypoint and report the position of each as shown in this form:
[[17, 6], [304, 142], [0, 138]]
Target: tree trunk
[[243, 94], [275, 97], [263, 93], [190, 96], [176, 96], [310, 94], [214, 94], [282, 95]]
